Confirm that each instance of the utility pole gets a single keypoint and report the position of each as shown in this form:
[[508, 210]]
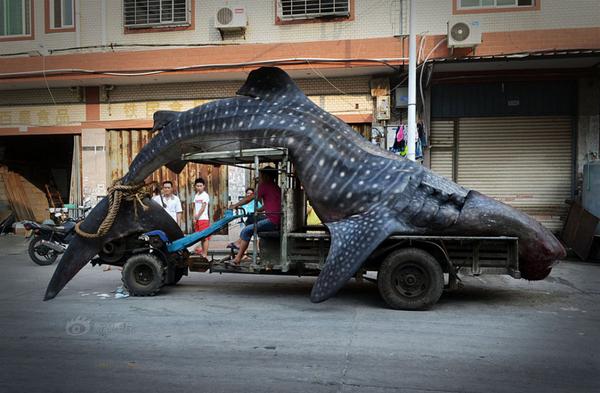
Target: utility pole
[[412, 82]]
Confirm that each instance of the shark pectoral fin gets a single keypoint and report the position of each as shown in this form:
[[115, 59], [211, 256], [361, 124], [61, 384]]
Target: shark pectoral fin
[[162, 118], [352, 241], [176, 166]]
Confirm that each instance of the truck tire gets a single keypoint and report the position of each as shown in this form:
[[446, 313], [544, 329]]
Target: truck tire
[[39, 254], [143, 275], [410, 279]]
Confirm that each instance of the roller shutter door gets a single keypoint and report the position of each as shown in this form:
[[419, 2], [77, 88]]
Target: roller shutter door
[[442, 147], [525, 162]]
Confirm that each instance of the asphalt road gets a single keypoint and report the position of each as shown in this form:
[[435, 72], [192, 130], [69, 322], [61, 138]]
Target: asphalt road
[[243, 333]]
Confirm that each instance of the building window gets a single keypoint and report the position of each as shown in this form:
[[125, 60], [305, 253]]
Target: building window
[[310, 9], [475, 4], [156, 13], [15, 18], [62, 14]]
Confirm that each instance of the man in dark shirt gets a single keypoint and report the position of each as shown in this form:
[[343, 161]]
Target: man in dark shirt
[[269, 194]]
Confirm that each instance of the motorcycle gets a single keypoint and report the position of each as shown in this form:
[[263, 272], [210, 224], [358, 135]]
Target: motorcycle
[[49, 241]]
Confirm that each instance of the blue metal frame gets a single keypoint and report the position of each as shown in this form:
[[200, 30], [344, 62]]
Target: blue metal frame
[[191, 239]]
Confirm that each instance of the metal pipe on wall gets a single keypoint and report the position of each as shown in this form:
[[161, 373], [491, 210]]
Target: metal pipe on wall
[[412, 82]]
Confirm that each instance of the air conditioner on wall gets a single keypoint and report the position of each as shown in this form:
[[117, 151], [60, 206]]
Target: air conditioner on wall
[[231, 18], [464, 33]]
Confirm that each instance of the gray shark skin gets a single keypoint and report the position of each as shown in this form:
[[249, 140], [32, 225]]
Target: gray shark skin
[[361, 192]]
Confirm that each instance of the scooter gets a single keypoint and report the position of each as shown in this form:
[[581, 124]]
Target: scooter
[[49, 241]]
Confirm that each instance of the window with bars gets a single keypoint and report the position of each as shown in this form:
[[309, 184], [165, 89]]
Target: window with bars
[[15, 18], [474, 4], [152, 13], [62, 14], [308, 9]]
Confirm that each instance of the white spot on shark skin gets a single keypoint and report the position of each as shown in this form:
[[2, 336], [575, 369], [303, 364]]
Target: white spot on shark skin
[[261, 122], [342, 174], [349, 195], [282, 122], [387, 177], [333, 186], [309, 148], [245, 110], [321, 162], [330, 146], [302, 128], [226, 112], [241, 123], [367, 172], [291, 141], [352, 159], [227, 103], [360, 183]]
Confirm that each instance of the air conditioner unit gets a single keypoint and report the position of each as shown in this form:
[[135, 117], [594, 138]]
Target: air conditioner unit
[[231, 18], [464, 33]]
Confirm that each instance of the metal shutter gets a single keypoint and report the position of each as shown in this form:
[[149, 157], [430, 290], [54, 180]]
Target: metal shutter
[[523, 161], [442, 147]]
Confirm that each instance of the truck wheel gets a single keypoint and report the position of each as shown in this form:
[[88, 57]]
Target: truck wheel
[[39, 254], [143, 275], [410, 279]]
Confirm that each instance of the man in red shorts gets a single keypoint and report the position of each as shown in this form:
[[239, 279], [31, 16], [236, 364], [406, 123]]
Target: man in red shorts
[[201, 219]]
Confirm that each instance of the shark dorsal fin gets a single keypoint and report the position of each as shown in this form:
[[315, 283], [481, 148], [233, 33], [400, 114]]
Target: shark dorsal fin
[[269, 83], [162, 118]]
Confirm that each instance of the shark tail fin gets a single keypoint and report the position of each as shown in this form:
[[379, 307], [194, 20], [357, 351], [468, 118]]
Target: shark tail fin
[[162, 118]]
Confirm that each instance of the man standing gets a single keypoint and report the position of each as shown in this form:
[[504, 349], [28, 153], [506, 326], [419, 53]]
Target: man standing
[[201, 220], [270, 195], [169, 201]]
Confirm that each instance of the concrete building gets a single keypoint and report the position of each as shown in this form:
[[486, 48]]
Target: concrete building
[[509, 89]]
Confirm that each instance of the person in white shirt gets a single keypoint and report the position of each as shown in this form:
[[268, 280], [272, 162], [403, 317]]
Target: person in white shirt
[[169, 201], [201, 219]]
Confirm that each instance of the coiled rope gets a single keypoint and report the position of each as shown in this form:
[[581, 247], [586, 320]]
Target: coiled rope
[[116, 194]]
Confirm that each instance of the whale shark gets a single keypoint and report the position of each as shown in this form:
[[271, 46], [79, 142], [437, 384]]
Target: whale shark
[[362, 193]]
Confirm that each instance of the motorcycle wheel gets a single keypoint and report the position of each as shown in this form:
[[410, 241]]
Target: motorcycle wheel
[[39, 254]]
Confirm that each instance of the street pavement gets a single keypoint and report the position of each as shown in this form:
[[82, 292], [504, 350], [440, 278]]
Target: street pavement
[[247, 333]]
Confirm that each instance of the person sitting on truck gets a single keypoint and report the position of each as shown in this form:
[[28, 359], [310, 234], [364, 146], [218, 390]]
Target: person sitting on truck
[[249, 207], [269, 193]]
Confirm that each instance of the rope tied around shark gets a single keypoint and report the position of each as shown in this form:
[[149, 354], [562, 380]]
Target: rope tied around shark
[[116, 194]]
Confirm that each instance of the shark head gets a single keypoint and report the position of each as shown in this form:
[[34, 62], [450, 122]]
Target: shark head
[[539, 249], [130, 220]]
